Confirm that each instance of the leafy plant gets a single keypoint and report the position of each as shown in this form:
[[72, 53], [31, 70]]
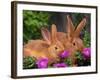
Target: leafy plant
[[68, 61], [32, 23], [80, 59], [87, 39], [29, 62]]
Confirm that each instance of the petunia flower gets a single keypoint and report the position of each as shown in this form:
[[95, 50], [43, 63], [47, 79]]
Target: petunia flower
[[42, 63], [64, 54], [86, 52], [59, 65]]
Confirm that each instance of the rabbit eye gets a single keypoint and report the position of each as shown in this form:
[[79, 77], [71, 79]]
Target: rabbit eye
[[56, 48], [74, 44]]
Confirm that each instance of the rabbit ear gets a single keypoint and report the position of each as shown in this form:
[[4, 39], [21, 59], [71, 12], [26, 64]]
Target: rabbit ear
[[70, 27], [54, 32], [46, 35], [80, 27]]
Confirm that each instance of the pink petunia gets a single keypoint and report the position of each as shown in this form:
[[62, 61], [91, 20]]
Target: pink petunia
[[64, 54], [42, 63], [59, 65], [86, 52]]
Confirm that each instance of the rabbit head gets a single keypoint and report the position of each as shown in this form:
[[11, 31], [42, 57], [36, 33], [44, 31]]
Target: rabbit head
[[55, 46], [73, 42]]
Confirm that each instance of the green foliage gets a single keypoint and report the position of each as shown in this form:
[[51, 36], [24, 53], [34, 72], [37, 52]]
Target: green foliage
[[80, 58], [68, 61], [29, 62], [87, 39], [32, 23]]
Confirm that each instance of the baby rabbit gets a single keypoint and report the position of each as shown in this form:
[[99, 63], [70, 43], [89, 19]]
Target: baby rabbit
[[72, 42], [47, 48]]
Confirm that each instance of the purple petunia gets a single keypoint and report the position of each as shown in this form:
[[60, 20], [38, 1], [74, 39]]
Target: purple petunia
[[59, 65], [64, 54], [86, 52], [42, 63]]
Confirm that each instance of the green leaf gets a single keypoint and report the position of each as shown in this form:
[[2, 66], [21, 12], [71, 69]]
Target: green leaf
[[87, 39], [29, 62], [68, 61]]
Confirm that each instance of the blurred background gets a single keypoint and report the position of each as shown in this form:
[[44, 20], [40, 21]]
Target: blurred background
[[33, 21]]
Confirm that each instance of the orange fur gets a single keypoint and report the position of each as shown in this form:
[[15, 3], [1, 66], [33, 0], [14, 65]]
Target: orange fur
[[49, 47], [71, 40]]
